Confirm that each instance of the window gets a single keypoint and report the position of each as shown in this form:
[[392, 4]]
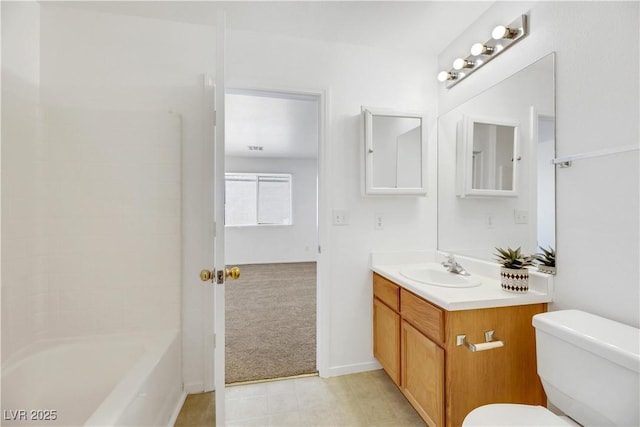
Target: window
[[257, 199]]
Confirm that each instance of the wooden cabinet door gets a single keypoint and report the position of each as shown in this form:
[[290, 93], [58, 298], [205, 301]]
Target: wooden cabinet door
[[386, 339], [423, 375]]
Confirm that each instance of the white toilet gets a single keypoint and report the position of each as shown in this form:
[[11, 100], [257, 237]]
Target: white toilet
[[589, 367]]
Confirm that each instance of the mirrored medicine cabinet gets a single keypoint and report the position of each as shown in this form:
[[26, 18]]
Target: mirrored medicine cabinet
[[394, 152], [487, 157]]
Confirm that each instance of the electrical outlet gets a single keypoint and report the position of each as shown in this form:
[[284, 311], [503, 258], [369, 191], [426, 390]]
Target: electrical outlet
[[378, 222], [520, 216], [340, 217]]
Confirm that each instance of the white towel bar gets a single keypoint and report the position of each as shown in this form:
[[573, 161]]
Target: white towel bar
[[566, 160]]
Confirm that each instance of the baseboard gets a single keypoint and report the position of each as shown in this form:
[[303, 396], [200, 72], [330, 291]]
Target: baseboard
[[241, 262], [195, 387], [351, 369], [176, 410]]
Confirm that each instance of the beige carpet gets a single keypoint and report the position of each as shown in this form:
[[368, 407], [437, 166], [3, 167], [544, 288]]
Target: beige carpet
[[271, 322]]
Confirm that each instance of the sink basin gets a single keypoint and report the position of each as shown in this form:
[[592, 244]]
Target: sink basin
[[437, 276]]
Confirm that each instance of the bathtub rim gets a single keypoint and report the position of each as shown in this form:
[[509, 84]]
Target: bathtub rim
[[155, 344]]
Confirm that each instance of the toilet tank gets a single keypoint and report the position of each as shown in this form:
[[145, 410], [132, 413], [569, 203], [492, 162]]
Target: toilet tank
[[589, 367]]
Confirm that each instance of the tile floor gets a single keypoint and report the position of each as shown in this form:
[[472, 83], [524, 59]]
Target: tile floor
[[365, 399], [198, 410]]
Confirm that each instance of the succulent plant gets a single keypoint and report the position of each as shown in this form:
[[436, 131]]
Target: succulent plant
[[547, 257], [513, 258]]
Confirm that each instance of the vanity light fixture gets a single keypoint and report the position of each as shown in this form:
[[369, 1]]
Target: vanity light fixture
[[502, 37]]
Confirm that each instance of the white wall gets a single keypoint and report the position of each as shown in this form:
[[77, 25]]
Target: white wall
[[272, 244], [597, 199], [351, 76], [101, 61], [24, 285], [134, 63]]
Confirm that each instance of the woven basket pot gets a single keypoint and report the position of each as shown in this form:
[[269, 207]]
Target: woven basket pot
[[514, 280]]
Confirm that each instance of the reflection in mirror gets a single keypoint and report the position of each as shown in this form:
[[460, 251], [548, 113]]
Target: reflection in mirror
[[394, 153], [396, 140], [544, 133], [487, 158], [477, 141], [492, 156]]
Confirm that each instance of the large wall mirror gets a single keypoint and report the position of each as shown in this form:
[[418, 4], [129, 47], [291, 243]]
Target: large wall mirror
[[496, 182], [394, 152]]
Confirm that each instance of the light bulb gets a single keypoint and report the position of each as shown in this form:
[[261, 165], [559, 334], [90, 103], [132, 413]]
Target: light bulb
[[498, 32], [480, 49], [460, 63], [443, 76], [502, 32]]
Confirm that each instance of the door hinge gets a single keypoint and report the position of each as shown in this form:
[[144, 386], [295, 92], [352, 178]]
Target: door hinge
[[319, 249], [213, 342], [214, 230], [215, 117]]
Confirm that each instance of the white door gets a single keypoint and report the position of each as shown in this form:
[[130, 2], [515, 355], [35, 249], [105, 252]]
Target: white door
[[215, 275]]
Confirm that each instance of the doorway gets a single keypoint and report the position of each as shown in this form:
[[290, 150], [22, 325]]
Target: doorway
[[271, 231]]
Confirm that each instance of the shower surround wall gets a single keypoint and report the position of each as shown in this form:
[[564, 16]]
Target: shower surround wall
[[24, 283], [91, 179], [103, 61], [113, 220]]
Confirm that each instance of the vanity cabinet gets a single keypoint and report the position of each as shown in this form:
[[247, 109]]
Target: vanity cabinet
[[444, 381], [386, 334], [423, 369]]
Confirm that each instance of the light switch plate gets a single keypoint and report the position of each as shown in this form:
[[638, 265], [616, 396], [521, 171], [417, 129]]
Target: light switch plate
[[520, 216]]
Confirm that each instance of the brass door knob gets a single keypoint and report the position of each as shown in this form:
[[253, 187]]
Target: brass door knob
[[234, 272], [206, 275]]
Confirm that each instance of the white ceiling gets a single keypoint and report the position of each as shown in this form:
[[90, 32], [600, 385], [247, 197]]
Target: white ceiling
[[285, 126], [424, 27], [288, 127]]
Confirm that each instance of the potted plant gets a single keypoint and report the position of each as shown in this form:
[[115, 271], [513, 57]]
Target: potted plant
[[514, 276], [547, 260]]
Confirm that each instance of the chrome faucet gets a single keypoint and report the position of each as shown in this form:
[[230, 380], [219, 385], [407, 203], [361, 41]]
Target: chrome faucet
[[452, 266]]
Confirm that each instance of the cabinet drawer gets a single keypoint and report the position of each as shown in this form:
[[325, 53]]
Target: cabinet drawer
[[425, 317], [386, 291]]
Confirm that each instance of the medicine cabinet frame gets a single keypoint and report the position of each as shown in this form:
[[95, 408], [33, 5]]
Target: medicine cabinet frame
[[413, 166], [467, 158]]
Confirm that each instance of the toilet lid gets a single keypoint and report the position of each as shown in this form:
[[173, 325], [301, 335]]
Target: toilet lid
[[507, 414]]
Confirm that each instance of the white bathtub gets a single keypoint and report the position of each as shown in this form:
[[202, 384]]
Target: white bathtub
[[111, 380]]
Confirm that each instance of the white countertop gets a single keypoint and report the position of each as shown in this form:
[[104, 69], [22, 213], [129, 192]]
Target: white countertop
[[489, 294]]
